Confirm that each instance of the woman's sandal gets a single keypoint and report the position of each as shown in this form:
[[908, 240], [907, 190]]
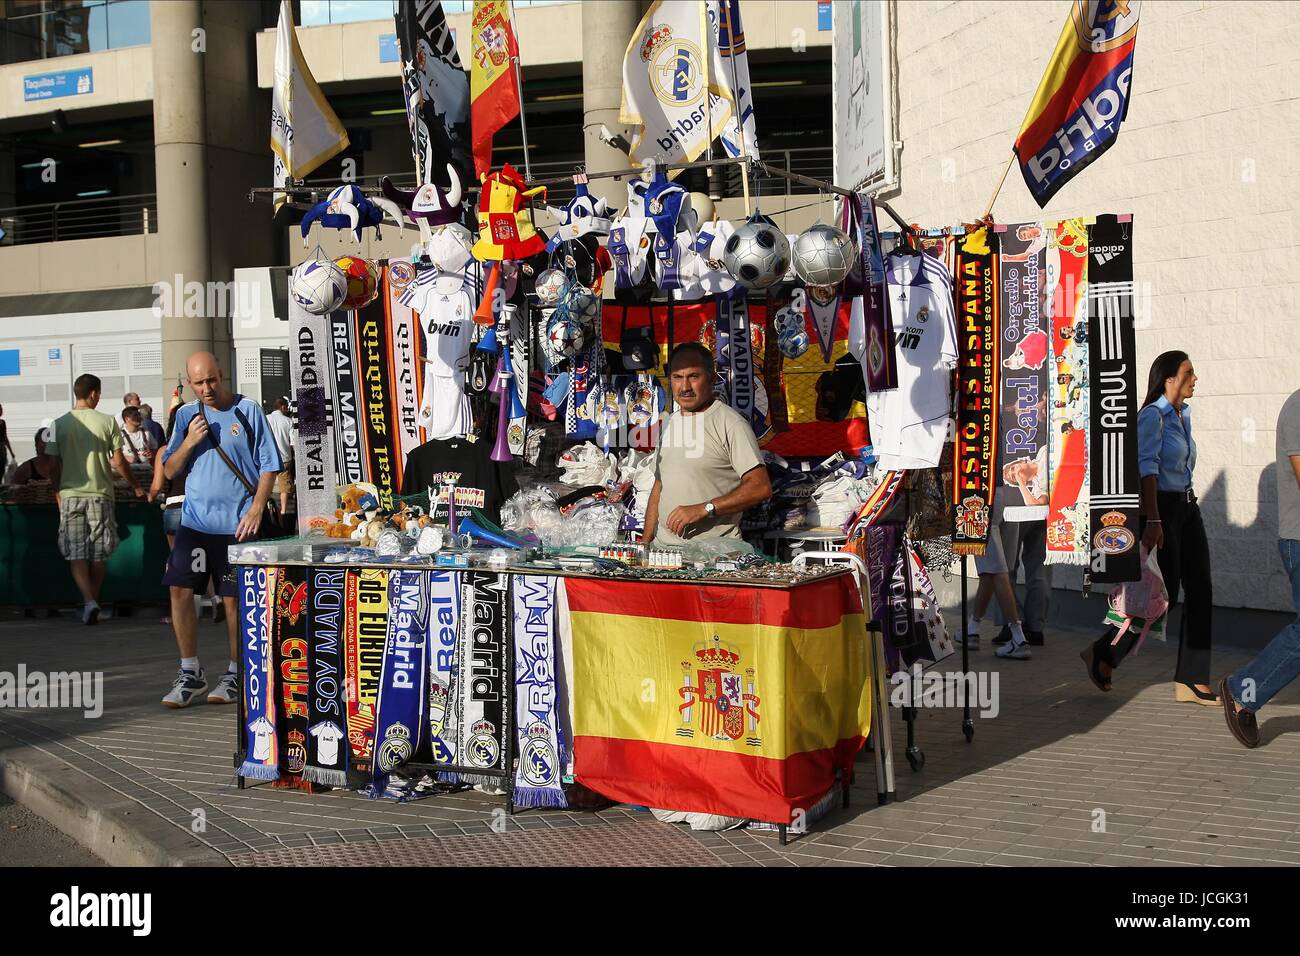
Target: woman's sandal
[[1089, 657]]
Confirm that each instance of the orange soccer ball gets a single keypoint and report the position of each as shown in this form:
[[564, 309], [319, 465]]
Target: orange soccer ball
[[363, 280]]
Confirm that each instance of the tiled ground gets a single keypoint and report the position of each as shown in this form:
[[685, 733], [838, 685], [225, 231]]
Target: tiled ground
[[1165, 780]]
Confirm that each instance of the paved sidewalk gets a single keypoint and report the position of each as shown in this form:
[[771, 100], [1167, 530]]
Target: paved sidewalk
[[142, 784]]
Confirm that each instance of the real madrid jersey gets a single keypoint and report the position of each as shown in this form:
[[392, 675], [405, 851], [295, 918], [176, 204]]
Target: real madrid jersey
[[447, 319], [909, 424]]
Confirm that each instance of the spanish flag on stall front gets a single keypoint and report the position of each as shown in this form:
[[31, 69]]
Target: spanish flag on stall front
[[714, 699]]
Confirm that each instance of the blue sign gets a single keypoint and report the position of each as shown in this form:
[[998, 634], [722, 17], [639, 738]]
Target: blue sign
[[49, 86], [9, 362], [388, 48], [55, 355], [823, 15]]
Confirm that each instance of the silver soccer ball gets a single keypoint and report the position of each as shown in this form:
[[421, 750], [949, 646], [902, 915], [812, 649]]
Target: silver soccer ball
[[757, 254], [823, 255]]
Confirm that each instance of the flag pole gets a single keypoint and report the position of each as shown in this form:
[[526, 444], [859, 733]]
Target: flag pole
[[994, 198], [735, 107], [519, 81]]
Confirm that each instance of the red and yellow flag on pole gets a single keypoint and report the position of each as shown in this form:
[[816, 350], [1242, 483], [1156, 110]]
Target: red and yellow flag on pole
[[738, 701], [493, 84]]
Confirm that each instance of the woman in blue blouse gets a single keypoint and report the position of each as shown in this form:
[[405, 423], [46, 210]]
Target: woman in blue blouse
[[1171, 521]]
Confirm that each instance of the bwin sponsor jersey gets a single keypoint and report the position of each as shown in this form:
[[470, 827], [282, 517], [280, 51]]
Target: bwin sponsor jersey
[[448, 326], [909, 424]]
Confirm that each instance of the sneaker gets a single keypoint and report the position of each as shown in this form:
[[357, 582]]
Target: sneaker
[[970, 640], [1014, 652], [90, 613], [1004, 635], [185, 688], [1034, 637], [226, 691]]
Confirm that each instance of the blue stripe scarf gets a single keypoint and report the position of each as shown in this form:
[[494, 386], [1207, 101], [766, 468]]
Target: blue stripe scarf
[[399, 717]]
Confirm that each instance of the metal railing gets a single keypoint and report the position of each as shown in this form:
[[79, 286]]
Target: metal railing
[[80, 219]]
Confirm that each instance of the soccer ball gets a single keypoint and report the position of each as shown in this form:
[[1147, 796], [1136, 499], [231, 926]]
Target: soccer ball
[[566, 336], [788, 321], [549, 285], [794, 344], [823, 255], [319, 286], [757, 254], [583, 304], [362, 278]]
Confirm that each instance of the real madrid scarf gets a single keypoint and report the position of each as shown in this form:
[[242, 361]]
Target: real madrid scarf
[[256, 594], [366, 633], [480, 686], [292, 671], [879, 361], [310, 358], [1024, 393], [976, 453], [399, 711], [444, 614], [542, 747], [327, 751], [1067, 507], [349, 441], [736, 363], [376, 389], [1112, 383]]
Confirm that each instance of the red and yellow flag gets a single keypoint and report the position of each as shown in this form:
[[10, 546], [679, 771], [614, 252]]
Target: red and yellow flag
[[738, 701], [493, 88]]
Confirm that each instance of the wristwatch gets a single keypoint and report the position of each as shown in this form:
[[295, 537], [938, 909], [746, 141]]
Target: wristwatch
[[709, 509]]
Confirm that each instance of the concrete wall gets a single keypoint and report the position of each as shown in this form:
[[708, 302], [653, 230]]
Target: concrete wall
[[120, 76], [112, 262], [1205, 163]]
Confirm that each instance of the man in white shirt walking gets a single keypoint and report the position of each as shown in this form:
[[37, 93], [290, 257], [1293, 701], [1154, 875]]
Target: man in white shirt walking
[[282, 430]]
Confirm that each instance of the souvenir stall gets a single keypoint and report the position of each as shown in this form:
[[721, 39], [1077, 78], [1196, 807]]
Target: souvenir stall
[[470, 600]]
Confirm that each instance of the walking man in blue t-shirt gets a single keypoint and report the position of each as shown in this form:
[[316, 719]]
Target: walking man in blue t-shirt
[[225, 497]]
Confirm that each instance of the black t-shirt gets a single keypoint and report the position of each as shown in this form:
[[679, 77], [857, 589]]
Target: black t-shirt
[[480, 482]]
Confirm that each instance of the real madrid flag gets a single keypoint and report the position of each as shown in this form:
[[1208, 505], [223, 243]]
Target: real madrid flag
[[676, 96], [305, 132]]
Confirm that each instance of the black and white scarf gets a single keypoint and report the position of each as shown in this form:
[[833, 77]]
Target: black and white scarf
[[481, 685], [1112, 382]]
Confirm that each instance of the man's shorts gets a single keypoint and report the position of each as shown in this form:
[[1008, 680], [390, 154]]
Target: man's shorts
[[197, 558], [994, 559], [283, 482], [87, 528]]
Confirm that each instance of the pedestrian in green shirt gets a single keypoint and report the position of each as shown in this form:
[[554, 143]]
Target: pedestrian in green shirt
[[82, 445]]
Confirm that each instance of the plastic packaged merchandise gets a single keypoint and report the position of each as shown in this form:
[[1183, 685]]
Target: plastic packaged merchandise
[[536, 508]]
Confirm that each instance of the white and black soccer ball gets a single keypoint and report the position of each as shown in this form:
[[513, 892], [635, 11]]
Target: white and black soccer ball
[[319, 286], [823, 255], [566, 336], [583, 304], [549, 286], [757, 254]]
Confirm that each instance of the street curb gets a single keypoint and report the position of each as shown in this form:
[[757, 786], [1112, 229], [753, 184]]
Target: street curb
[[115, 828]]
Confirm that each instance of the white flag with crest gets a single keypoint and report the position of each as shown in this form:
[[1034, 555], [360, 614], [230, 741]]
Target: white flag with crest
[[676, 89], [305, 131]]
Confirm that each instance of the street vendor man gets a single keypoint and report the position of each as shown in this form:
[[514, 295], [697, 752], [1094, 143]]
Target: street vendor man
[[708, 470]]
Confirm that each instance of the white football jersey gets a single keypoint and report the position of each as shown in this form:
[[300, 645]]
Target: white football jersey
[[909, 424], [448, 325]]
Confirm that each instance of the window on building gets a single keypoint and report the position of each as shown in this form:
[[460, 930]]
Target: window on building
[[42, 29]]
